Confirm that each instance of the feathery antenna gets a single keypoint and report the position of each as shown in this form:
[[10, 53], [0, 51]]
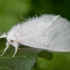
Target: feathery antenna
[[3, 36]]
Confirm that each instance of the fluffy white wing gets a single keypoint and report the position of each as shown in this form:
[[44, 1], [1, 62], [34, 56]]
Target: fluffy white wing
[[59, 35], [56, 37]]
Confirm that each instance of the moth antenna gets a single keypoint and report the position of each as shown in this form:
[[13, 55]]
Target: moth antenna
[[7, 46], [3, 35]]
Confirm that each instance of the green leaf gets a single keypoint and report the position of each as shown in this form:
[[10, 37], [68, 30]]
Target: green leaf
[[24, 59], [45, 54]]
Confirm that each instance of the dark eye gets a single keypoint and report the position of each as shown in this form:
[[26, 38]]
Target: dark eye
[[11, 41], [19, 44]]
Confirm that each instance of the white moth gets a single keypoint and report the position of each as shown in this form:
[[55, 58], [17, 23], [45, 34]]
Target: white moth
[[49, 32]]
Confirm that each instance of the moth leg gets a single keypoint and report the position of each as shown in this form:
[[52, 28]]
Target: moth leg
[[16, 48], [7, 46]]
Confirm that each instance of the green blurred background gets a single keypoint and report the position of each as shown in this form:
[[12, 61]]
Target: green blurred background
[[15, 11]]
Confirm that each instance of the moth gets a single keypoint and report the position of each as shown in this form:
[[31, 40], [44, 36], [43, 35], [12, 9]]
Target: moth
[[48, 32]]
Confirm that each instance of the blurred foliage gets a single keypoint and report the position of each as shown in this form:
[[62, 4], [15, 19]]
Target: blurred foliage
[[60, 61], [11, 11], [15, 11]]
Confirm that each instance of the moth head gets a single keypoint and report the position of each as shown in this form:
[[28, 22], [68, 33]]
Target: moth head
[[11, 39]]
